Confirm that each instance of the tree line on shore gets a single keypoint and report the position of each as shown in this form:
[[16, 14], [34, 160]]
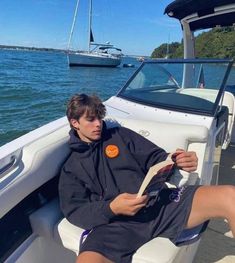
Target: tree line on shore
[[215, 43], [31, 48]]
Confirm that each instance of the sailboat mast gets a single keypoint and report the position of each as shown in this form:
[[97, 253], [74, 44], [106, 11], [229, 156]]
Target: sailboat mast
[[73, 24], [167, 47], [89, 25]]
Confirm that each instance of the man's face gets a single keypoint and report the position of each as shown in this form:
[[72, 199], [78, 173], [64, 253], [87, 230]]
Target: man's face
[[88, 128]]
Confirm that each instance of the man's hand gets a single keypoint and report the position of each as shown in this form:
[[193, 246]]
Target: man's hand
[[128, 204], [186, 161]]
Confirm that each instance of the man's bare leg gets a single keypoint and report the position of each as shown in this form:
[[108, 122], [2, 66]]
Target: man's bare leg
[[213, 202], [90, 257]]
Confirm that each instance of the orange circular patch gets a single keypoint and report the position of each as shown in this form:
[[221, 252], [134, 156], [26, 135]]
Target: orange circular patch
[[112, 151]]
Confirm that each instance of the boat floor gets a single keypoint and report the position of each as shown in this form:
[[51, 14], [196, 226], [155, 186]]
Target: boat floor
[[217, 244]]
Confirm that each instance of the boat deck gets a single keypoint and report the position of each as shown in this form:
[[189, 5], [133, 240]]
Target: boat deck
[[217, 244]]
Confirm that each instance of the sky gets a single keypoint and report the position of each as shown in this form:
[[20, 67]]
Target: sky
[[135, 26]]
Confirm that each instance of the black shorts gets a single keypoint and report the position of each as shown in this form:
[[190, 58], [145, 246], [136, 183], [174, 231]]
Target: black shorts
[[165, 216]]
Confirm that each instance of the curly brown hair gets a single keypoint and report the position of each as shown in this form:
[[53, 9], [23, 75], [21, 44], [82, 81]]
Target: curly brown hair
[[81, 104]]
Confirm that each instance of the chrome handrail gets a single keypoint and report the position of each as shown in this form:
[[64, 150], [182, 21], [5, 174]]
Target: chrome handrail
[[9, 165]]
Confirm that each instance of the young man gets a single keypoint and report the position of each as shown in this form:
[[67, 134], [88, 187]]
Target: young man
[[101, 177]]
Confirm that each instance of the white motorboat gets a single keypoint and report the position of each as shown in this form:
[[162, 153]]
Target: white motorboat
[[162, 101], [97, 55]]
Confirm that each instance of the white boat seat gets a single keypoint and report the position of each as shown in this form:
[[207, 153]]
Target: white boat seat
[[228, 101], [47, 222], [188, 137], [174, 135], [150, 252], [69, 234]]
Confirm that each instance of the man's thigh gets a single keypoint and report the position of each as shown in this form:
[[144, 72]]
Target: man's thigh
[[117, 241], [210, 202]]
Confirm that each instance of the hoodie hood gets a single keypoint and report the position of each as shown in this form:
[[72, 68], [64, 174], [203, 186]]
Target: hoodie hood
[[77, 145]]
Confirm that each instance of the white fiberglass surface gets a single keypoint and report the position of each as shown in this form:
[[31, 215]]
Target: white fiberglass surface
[[171, 84]]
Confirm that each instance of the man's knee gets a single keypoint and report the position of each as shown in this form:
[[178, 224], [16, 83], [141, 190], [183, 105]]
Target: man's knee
[[229, 195]]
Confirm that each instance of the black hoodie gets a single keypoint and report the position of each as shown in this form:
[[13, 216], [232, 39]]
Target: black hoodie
[[90, 179]]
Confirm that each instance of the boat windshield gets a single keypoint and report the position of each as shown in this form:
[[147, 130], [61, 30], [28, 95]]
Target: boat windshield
[[194, 86]]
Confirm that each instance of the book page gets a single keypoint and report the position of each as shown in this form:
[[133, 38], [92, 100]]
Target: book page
[[153, 170]]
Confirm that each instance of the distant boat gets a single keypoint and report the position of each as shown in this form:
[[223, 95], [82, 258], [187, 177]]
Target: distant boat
[[97, 54], [128, 65], [140, 59]]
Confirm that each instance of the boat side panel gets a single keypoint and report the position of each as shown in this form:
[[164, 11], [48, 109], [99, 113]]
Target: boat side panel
[[41, 160]]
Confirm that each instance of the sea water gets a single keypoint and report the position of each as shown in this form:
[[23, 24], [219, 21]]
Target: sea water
[[36, 85]]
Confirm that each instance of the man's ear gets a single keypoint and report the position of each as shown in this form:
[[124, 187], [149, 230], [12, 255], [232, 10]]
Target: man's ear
[[75, 124]]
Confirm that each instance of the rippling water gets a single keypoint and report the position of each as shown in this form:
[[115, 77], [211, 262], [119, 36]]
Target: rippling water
[[35, 86]]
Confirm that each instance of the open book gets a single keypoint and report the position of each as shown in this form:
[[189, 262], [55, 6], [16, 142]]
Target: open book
[[161, 170]]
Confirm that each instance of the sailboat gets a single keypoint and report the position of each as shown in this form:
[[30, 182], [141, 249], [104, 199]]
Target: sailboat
[[97, 54], [167, 48]]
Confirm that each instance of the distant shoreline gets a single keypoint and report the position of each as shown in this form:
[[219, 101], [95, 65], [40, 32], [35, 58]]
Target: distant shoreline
[[7, 47]]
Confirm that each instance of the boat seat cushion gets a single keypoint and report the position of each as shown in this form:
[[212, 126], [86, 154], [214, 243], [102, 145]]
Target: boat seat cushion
[[70, 235], [48, 222], [45, 218], [169, 136], [175, 136]]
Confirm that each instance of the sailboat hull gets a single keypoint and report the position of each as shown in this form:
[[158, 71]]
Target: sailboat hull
[[93, 60]]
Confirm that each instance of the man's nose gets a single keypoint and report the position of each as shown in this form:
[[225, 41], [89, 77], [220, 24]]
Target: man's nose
[[98, 122]]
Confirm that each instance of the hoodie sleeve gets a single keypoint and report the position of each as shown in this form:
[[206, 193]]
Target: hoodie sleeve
[[76, 204], [144, 151]]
